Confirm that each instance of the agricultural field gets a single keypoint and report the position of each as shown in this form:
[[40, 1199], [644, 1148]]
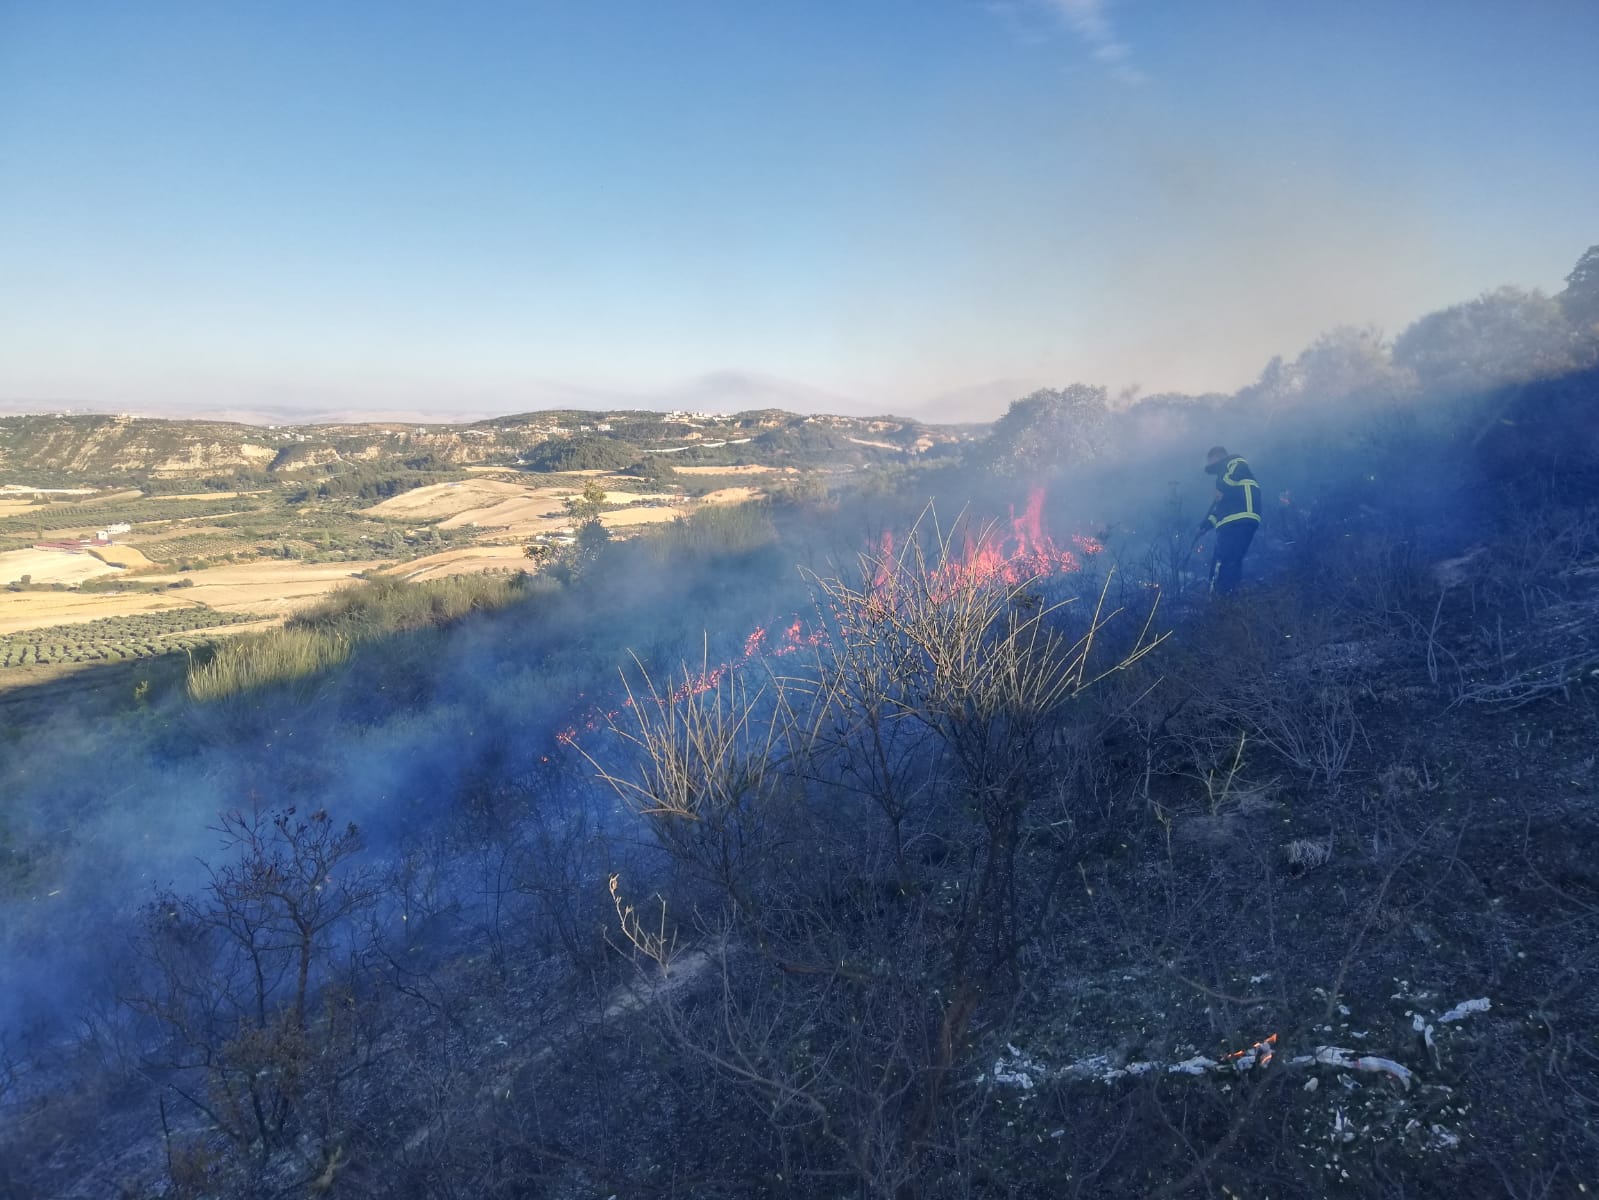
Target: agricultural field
[[269, 587], [442, 500], [61, 519], [470, 560], [629, 518], [505, 508], [52, 566], [115, 639], [732, 495], [10, 508], [219, 540], [129, 558], [53, 632], [36, 609], [262, 555]]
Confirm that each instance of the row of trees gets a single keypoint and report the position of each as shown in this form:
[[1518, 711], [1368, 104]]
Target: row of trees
[[1508, 335], [1506, 338]]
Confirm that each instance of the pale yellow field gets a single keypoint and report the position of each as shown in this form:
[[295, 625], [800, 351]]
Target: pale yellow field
[[530, 512], [119, 555], [446, 499], [10, 508], [625, 517], [732, 495], [516, 508], [34, 610], [52, 566], [465, 561], [272, 588]]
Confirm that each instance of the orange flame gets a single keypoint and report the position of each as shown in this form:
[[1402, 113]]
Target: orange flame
[[1258, 1055], [1024, 552], [1010, 554]]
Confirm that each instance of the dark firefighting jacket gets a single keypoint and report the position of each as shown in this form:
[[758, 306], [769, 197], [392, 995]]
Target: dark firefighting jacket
[[1237, 494]]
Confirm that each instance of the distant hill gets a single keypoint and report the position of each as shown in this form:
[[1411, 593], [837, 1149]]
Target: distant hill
[[108, 448]]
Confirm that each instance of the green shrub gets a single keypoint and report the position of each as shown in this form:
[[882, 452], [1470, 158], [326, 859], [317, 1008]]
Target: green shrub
[[717, 529], [324, 636], [277, 656]]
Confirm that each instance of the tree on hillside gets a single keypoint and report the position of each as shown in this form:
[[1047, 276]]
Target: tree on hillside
[[585, 509], [588, 504], [1348, 363], [1504, 336], [1580, 300], [1051, 430], [653, 467], [582, 453]]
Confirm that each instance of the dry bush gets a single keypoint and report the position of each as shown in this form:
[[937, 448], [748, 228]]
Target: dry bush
[[1282, 676], [1538, 549], [850, 841], [230, 977], [1308, 853]]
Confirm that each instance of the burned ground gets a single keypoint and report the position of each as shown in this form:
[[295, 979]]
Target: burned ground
[[1299, 903]]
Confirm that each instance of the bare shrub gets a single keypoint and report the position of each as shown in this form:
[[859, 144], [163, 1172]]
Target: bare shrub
[[1538, 549], [851, 839], [230, 976], [1303, 709], [1308, 853]]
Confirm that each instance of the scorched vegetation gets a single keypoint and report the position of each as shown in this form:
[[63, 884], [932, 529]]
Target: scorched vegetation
[[984, 856]]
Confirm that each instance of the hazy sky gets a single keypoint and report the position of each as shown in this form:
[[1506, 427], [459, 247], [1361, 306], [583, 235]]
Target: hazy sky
[[484, 206]]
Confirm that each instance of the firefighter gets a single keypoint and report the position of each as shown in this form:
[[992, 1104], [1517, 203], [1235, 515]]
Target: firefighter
[[1234, 516]]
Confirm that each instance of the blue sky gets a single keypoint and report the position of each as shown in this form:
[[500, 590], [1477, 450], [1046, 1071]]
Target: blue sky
[[865, 204]]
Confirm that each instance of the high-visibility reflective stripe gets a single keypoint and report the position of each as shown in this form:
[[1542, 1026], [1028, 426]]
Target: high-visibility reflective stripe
[[1249, 512], [1247, 484]]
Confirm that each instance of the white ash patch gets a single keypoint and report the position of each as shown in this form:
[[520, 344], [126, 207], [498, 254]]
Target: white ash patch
[[1347, 1060], [1407, 996], [1440, 1138], [1464, 1009], [1019, 1070]]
